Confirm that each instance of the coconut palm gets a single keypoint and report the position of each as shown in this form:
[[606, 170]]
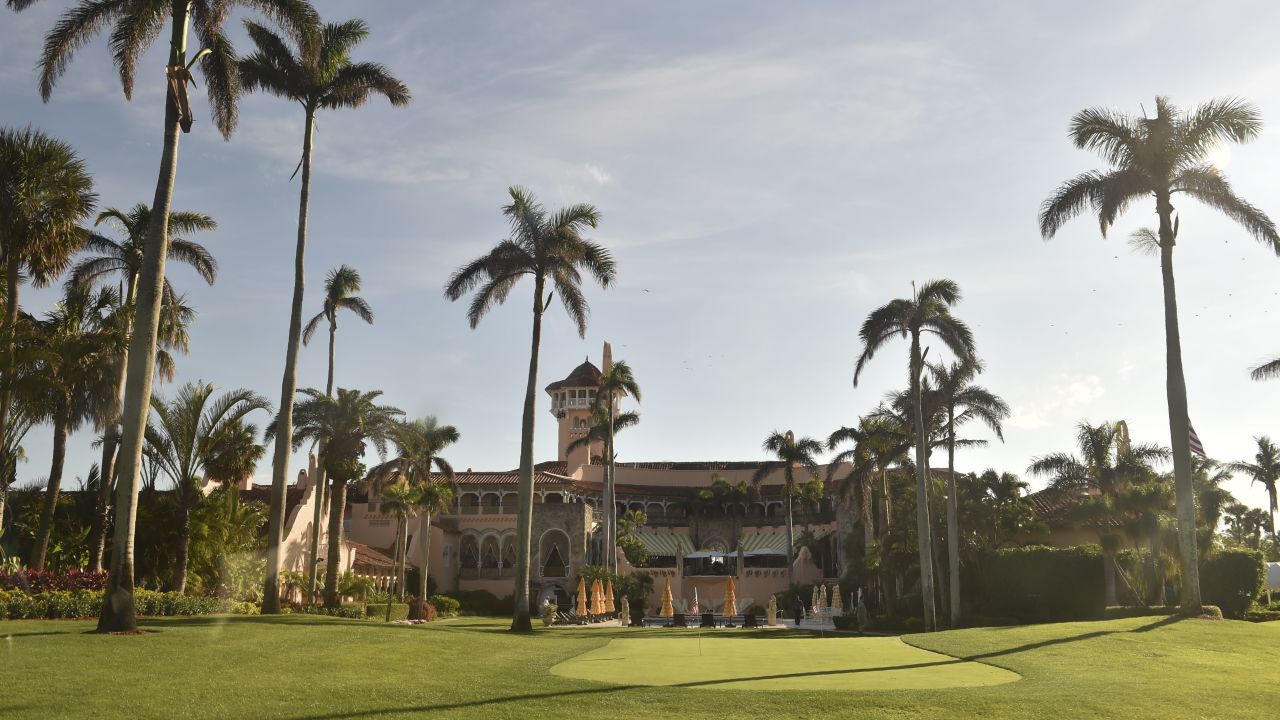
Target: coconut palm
[[338, 289], [792, 453], [79, 347], [616, 381], [962, 401], [313, 68], [1107, 464], [552, 250], [135, 24], [603, 428], [926, 312], [418, 447], [188, 432], [45, 192], [344, 424], [1264, 469], [1160, 157], [122, 260]]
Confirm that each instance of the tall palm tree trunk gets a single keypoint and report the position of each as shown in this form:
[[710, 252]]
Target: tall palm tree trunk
[[521, 621], [288, 387], [397, 575], [611, 515], [51, 490], [117, 607], [888, 585], [110, 443], [337, 505], [313, 562], [424, 525], [1179, 425], [12, 276], [791, 537], [953, 518], [922, 491], [184, 549]]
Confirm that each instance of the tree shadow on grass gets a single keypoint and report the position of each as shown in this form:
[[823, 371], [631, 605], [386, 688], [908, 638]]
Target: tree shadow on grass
[[34, 634]]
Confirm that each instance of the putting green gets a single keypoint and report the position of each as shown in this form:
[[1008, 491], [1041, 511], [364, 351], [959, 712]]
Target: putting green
[[760, 662]]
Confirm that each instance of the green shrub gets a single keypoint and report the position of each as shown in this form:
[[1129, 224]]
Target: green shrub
[[445, 606], [845, 622], [483, 602], [399, 611], [1043, 584], [246, 608], [1232, 580], [1212, 611], [63, 604], [1259, 614], [1118, 612]]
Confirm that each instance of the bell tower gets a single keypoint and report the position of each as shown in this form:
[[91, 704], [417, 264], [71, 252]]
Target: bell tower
[[571, 402]]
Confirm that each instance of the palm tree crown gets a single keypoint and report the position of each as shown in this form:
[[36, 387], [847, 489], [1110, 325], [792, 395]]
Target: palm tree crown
[[927, 312], [123, 258], [317, 71], [339, 289], [1264, 469]]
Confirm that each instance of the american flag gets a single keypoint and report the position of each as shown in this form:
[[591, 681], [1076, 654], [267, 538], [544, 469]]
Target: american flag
[[1196, 447]]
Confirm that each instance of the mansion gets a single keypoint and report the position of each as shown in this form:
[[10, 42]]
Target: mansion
[[699, 526]]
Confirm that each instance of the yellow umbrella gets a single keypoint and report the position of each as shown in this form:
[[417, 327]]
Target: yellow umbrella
[[667, 610], [608, 597], [730, 597], [582, 595], [595, 597], [599, 591], [822, 598], [836, 601]]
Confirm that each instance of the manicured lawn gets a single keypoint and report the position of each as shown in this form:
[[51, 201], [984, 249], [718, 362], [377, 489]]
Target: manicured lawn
[[718, 661], [313, 667]]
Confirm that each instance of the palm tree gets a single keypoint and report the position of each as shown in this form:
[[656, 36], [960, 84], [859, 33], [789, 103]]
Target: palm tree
[[122, 259], [962, 401], [79, 345], [313, 68], [135, 25], [603, 427], [45, 191], [791, 453], [342, 424], [1160, 157], [1264, 469], [551, 249], [338, 289], [235, 456], [419, 444], [1107, 464], [928, 311], [617, 380], [188, 433], [432, 497], [398, 500]]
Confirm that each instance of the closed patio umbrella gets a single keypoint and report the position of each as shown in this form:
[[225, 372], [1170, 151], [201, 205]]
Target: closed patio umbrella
[[822, 599], [730, 597], [582, 596], [608, 597], [667, 610], [813, 604], [836, 602]]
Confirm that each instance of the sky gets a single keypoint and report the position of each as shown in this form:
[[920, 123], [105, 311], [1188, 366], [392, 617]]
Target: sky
[[767, 174]]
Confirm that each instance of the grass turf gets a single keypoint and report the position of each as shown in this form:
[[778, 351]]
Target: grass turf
[[318, 668], [754, 662]]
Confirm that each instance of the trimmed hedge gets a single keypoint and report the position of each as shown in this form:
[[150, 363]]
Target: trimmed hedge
[[1262, 615], [1232, 580], [78, 604], [1043, 584], [399, 611], [445, 606], [38, 581], [483, 602]]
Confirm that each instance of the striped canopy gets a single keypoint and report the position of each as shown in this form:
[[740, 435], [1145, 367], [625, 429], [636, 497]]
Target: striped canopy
[[666, 545]]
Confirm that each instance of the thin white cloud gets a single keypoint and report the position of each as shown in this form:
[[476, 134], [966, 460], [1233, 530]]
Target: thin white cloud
[[598, 174]]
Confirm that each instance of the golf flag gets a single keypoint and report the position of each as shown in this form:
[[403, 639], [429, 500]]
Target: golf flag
[[1196, 447]]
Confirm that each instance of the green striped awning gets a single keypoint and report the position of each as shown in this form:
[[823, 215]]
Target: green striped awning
[[666, 544], [775, 541]]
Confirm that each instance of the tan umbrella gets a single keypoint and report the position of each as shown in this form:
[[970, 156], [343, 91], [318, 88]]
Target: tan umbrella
[[730, 597], [836, 601], [582, 595], [667, 610], [595, 597], [822, 598], [599, 597], [608, 597], [813, 604]]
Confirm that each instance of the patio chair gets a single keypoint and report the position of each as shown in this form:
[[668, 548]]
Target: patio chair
[[678, 620], [749, 621], [708, 620]]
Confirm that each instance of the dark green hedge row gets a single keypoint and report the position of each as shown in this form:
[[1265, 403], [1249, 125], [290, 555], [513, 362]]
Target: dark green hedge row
[[1233, 580], [378, 611], [1043, 584], [71, 604]]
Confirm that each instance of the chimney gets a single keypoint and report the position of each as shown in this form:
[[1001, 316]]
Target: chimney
[[607, 362]]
